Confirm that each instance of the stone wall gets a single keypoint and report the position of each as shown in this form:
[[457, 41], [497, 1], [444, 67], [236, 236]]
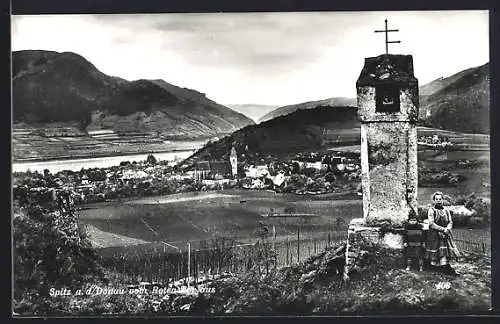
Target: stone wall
[[363, 239]]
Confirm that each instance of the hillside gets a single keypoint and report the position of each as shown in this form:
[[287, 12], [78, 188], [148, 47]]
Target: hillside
[[254, 111], [313, 287], [331, 102], [440, 83], [64, 87], [298, 131], [459, 102]]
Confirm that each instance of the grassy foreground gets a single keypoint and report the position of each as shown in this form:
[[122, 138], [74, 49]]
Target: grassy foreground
[[314, 287], [382, 287]]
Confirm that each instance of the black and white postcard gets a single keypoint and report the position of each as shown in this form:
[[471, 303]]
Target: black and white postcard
[[265, 163]]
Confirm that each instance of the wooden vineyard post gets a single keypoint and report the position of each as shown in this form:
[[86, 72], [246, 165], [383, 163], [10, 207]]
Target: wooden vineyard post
[[167, 269], [163, 267], [231, 255], [194, 270], [298, 244], [274, 246], [287, 251], [189, 264], [179, 260], [266, 255], [258, 256], [196, 275]]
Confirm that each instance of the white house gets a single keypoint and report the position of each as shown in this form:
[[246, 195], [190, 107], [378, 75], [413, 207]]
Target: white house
[[300, 163], [279, 179], [257, 171], [131, 174], [213, 182], [340, 167], [318, 165], [85, 180], [351, 167], [257, 184]]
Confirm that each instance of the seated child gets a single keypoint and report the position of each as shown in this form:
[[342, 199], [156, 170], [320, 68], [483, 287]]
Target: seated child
[[414, 242]]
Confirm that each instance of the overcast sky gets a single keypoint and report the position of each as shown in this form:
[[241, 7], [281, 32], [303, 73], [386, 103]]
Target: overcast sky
[[261, 58]]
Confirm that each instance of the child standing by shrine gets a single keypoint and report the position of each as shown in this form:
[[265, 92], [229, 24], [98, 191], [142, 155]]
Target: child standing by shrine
[[414, 242]]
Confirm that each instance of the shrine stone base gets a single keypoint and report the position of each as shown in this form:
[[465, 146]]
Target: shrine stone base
[[362, 239]]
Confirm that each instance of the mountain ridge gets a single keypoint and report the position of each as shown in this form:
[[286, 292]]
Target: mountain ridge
[[288, 109], [295, 132], [254, 111], [459, 102], [46, 83]]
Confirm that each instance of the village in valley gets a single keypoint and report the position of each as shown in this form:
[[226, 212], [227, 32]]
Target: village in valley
[[306, 173], [307, 212]]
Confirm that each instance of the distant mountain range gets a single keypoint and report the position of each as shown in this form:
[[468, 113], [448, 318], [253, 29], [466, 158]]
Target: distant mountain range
[[459, 102], [331, 102], [53, 87], [254, 111]]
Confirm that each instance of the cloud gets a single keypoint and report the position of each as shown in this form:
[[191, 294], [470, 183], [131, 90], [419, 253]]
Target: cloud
[[253, 41], [268, 58]]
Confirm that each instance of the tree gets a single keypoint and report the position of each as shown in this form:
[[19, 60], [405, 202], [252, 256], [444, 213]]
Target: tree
[[330, 177], [447, 200], [97, 175], [50, 250], [151, 159], [262, 231], [309, 172]]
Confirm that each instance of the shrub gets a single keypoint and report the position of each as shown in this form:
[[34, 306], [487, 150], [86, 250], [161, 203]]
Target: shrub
[[483, 209], [460, 220], [474, 221], [480, 205], [460, 200], [422, 213], [330, 177], [50, 250], [444, 178], [447, 200], [151, 159]]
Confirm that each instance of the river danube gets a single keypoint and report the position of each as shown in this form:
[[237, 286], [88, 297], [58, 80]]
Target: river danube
[[55, 166]]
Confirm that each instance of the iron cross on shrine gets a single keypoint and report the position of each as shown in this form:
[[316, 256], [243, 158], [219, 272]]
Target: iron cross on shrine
[[386, 39]]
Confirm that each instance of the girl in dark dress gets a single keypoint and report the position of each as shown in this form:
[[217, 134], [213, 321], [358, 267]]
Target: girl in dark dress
[[414, 242], [440, 225]]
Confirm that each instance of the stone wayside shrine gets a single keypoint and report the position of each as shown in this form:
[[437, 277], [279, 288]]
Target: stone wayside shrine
[[387, 94]]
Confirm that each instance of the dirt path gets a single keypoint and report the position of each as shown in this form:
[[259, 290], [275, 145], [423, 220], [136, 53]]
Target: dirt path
[[101, 239], [167, 199]]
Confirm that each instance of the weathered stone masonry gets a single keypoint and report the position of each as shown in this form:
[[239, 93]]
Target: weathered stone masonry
[[388, 111]]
